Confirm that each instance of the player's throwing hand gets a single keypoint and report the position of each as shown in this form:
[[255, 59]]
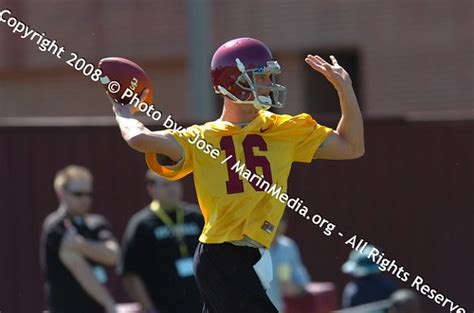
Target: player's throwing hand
[[126, 110], [335, 73]]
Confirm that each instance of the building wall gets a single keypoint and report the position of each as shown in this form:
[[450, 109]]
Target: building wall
[[415, 57]]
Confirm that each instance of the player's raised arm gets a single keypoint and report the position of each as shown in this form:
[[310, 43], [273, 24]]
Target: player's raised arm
[[347, 141], [142, 139]]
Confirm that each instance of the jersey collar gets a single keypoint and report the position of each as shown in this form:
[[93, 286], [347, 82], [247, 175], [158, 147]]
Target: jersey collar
[[229, 128]]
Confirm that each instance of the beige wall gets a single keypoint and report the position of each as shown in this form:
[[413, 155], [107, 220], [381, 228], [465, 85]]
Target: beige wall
[[415, 56]]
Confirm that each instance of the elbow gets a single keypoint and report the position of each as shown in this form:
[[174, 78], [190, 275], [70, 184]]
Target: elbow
[[137, 142], [355, 151], [358, 152]]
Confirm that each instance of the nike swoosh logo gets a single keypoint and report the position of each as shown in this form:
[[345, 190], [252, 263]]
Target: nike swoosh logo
[[264, 130]]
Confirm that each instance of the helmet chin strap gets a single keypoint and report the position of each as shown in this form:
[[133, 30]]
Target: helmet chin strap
[[227, 93], [259, 102], [262, 102]]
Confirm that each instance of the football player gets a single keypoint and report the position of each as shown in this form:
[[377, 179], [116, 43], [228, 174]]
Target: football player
[[231, 262]]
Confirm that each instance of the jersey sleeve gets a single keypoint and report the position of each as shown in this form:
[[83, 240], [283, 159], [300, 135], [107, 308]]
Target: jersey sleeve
[[309, 136], [185, 165]]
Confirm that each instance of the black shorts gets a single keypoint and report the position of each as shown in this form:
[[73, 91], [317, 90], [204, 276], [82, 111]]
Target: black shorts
[[227, 281]]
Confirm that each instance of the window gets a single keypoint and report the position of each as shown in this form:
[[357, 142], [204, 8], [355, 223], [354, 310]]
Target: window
[[320, 95]]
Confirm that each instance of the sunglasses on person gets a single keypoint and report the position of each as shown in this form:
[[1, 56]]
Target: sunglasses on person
[[79, 194]]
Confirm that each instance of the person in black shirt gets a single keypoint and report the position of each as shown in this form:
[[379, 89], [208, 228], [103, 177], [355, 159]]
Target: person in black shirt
[[368, 283], [404, 301], [157, 250], [75, 245]]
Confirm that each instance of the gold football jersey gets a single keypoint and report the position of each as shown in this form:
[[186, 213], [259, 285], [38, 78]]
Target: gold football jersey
[[239, 187]]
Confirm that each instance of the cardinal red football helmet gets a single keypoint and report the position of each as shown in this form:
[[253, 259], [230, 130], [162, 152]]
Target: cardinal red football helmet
[[234, 67]]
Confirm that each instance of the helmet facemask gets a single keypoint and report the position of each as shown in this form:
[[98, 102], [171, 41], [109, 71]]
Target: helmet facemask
[[247, 81]]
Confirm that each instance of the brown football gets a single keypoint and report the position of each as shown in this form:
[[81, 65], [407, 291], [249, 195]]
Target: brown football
[[129, 75]]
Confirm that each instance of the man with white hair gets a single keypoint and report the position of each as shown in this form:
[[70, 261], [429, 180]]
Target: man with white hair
[[75, 247]]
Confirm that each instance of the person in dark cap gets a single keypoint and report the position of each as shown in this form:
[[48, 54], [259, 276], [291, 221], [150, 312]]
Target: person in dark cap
[[404, 301], [368, 283]]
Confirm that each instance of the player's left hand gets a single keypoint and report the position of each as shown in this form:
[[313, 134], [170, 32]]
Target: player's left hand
[[335, 73]]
